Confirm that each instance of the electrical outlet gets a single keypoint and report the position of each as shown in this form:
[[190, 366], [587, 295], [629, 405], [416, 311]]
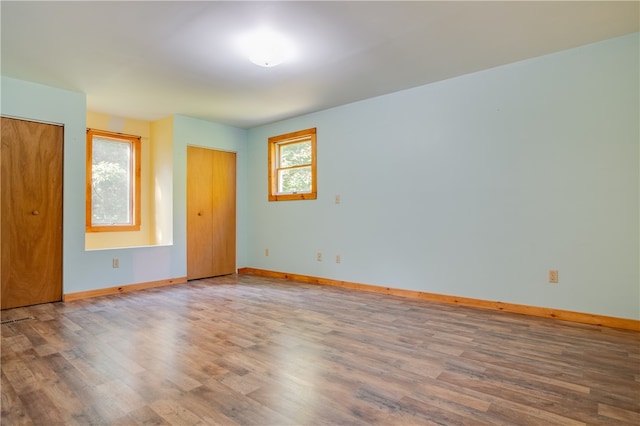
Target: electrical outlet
[[319, 257], [338, 259], [116, 262], [266, 252], [553, 276]]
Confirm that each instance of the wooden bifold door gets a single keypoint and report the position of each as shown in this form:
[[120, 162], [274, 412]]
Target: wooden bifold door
[[211, 212], [31, 212]]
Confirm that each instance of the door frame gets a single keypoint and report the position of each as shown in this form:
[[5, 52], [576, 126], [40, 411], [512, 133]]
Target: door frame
[[235, 236], [62, 191]]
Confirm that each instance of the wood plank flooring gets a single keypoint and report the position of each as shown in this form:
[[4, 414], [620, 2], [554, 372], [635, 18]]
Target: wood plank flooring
[[245, 350]]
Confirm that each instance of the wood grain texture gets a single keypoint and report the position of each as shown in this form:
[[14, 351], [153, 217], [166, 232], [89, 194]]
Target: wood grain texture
[[135, 189], [308, 135], [240, 350], [69, 297], [580, 317], [199, 202], [223, 212], [211, 212], [31, 211]]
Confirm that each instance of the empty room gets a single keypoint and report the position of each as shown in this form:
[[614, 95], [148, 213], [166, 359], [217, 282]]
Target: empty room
[[319, 213]]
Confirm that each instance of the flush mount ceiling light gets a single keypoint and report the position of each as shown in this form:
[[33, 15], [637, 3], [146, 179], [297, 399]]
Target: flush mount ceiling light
[[266, 48]]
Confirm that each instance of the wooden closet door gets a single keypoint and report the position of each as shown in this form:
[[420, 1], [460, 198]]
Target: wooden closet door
[[31, 210], [224, 212], [199, 207], [211, 213]]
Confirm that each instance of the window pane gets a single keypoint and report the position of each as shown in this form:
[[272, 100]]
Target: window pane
[[111, 184], [295, 154], [292, 166], [294, 180]]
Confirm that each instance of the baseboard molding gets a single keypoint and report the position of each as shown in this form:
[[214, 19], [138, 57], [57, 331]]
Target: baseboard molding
[[579, 317], [122, 289]]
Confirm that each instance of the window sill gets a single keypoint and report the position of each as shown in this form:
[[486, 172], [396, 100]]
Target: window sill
[[292, 197]]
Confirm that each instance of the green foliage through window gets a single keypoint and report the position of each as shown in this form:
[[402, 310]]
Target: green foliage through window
[[294, 174], [292, 166], [111, 182]]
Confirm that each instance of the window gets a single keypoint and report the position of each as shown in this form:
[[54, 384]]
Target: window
[[292, 166], [113, 182]]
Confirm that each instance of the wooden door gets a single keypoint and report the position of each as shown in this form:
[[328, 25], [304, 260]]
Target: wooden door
[[199, 213], [211, 213], [31, 213]]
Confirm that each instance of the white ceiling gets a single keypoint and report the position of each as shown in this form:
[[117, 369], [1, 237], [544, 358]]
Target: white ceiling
[[148, 60]]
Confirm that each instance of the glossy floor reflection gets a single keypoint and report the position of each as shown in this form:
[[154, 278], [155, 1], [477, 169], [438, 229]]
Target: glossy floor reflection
[[249, 350]]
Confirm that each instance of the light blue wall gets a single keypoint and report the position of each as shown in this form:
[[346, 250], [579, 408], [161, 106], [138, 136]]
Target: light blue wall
[[30, 101], [84, 270], [191, 131], [90, 270], [474, 186]]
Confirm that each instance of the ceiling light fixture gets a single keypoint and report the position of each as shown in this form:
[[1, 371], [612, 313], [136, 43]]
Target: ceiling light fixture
[[266, 48]]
